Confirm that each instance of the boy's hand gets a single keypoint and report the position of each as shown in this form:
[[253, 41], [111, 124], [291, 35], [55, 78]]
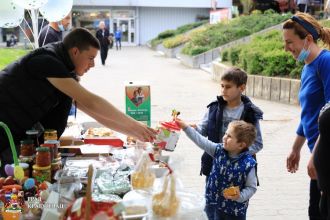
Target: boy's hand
[[235, 197], [232, 193], [193, 126], [181, 123]]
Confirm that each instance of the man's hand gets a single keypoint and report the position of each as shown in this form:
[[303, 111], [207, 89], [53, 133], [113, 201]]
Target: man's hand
[[311, 169], [292, 161]]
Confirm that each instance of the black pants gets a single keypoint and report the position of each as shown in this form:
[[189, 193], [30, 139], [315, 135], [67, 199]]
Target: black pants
[[314, 201], [325, 205], [104, 54]]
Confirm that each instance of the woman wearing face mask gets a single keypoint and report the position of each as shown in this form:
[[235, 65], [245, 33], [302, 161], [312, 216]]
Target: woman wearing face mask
[[301, 34]]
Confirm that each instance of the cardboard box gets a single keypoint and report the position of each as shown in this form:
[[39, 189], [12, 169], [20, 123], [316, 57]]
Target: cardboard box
[[138, 102]]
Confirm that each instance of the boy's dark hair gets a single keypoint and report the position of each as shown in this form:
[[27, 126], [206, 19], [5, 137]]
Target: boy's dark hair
[[80, 38], [235, 75], [244, 132]]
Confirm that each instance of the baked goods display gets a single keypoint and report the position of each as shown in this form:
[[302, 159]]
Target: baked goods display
[[231, 191], [99, 132], [102, 136]]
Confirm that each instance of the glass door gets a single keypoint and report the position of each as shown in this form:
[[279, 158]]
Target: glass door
[[127, 27]]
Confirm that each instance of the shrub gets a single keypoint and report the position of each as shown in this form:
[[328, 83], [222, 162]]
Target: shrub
[[175, 41], [172, 33], [222, 33], [224, 55], [265, 55], [166, 34]]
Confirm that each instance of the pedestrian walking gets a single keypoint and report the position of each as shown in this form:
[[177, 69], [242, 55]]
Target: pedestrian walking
[[103, 35], [118, 35]]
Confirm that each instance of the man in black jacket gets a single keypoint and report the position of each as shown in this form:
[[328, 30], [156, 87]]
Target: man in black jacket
[[102, 34], [38, 90]]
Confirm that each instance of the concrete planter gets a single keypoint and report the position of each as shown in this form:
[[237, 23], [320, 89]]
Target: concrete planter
[[269, 88], [172, 52]]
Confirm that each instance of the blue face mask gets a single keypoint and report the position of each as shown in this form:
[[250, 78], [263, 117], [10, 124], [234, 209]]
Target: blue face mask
[[61, 27], [304, 53]]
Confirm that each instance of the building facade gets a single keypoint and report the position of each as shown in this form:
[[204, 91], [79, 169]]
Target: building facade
[[141, 20]]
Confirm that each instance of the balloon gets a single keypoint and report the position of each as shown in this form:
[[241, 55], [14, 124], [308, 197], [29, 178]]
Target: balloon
[[29, 183], [9, 170], [18, 172], [56, 10], [11, 15], [30, 4]]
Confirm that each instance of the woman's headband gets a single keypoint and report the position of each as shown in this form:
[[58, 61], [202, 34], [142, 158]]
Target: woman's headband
[[307, 26]]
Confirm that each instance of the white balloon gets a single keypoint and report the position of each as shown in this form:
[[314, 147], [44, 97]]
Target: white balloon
[[11, 15], [30, 4], [56, 10]]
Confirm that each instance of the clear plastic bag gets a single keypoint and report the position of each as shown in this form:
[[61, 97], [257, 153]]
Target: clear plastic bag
[[142, 177], [166, 203]]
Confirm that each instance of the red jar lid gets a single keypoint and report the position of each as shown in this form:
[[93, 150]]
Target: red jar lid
[[171, 125]]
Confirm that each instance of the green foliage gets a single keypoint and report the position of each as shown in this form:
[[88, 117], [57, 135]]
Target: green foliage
[[219, 34], [8, 55], [224, 55], [166, 34], [265, 55], [172, 33], [175, 41]]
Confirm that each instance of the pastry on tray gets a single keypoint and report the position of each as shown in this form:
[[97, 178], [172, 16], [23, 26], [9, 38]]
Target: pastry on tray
[[99, 132], [231, 191]]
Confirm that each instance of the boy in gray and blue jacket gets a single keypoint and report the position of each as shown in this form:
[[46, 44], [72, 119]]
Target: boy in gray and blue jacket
[[232, 166]]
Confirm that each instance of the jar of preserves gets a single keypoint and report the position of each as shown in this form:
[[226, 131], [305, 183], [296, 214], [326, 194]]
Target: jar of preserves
[[27, 148], [50, 147], [43, 158], [33, 135], [54, 144], [41, 173], [50, 134]]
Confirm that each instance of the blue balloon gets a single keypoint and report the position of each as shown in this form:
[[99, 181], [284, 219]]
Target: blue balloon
[[29, 183]]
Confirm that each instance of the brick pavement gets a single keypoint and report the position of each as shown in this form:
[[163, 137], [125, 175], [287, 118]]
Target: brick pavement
[[281, 196]]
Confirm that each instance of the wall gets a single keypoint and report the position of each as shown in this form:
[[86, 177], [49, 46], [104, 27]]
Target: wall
[[156, 3], [269, 88], [152, 21]]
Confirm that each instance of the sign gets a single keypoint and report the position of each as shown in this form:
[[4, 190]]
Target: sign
[[138, 105], [219, 15]]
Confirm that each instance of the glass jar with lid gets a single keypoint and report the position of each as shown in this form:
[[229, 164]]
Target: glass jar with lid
[[50, 134], [33, 135], [41, 173], [27, 148], [43, 157]]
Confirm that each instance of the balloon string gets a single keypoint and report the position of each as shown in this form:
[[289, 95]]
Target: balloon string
[[26, 36], [11, 142]]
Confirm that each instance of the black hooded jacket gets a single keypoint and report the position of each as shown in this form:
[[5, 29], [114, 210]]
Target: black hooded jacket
[[27, 97], [322, 151]]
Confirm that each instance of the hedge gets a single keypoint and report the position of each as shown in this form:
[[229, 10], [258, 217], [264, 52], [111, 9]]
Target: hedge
[[219, 34]]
